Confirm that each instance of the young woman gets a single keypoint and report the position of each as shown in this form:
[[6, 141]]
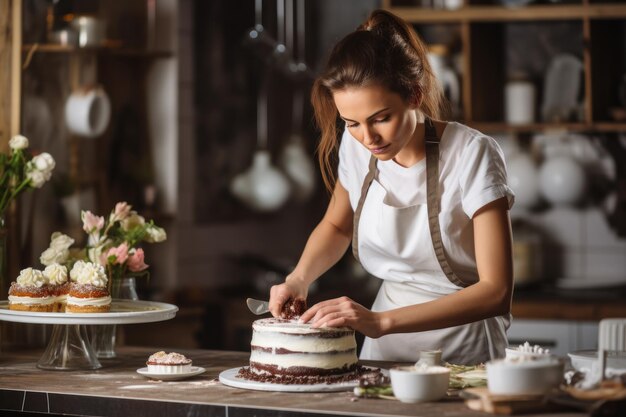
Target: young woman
[[424, 203]]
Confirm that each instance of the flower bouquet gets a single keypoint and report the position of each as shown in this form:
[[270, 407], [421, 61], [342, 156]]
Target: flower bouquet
[[20, 170], [112, 242]]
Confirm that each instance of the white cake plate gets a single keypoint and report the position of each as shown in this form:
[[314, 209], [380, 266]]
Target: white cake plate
[[229, 377], [69, 347]]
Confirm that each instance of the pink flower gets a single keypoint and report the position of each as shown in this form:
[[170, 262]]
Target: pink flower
[[122, 211], [120, 253], [136, 261], [91, 222]]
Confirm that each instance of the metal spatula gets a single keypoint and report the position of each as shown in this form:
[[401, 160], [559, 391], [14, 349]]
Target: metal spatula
[[258, 307]]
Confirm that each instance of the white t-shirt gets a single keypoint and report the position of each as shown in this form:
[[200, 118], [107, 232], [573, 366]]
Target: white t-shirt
[[472, 173]]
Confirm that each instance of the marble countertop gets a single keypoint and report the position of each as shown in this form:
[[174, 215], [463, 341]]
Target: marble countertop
[[117, 389]]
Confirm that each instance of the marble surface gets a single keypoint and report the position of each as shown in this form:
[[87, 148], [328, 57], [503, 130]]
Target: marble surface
[[117, 389]]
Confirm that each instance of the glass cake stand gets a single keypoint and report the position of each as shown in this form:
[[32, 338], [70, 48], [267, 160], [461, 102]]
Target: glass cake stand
[[69, 347]]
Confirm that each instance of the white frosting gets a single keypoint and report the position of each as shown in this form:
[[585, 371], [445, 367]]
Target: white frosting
[[297, 343], [13, 299], [94, 302], [30, 277], [89, 273], [330, 361], [272, 325], [56, 274]]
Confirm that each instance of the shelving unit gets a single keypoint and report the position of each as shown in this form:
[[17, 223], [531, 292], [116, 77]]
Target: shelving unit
[[482, 25], [121, 68]]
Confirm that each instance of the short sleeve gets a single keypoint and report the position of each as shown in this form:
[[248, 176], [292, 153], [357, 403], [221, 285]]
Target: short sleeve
[[353, 163], [483, 177]]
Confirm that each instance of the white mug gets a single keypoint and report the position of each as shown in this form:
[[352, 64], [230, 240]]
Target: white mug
[[87, 112]]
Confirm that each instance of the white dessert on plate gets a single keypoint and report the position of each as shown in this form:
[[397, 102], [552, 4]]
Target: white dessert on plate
[[168, 363]]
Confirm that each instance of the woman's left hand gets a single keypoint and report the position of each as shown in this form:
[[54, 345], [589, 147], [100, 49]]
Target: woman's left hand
[[344, 312]]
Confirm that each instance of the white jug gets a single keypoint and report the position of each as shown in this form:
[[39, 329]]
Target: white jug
[[262, 187]]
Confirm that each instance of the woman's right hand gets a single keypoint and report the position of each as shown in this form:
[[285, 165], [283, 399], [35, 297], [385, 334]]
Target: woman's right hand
[[293, 287]]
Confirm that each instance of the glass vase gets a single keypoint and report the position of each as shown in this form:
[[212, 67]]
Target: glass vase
[[102, 337]]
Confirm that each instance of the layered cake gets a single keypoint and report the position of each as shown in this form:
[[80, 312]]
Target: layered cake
[[285, 351], [59, 284], [168, 363], [88, 291], [32, 292]]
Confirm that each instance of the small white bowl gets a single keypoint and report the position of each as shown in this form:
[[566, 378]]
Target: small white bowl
[[524, 377], [412, 384]]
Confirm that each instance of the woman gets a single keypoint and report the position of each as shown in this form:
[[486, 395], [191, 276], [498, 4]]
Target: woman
[[424, 203]]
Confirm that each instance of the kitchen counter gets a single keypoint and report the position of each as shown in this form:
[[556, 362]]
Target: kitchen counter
[[116, 389], [552, 303]]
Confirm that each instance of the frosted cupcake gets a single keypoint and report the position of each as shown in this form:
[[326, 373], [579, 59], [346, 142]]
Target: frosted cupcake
[[31, 292], [88, 291], [59, 285]]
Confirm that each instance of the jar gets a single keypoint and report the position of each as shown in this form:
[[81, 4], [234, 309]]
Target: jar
[[519, 101]]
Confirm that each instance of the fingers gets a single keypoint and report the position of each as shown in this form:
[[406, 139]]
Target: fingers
[[328, 311], [334, 319], [279, 295]]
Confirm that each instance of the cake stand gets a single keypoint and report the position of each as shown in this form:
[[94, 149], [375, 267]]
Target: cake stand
[[69, 347]]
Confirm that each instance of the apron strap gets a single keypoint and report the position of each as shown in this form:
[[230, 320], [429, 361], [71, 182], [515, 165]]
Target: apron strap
[[432, 190], [359, 208]]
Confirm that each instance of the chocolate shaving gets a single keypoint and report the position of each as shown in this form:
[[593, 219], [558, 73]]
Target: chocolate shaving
[[293, 308], [246, 373]]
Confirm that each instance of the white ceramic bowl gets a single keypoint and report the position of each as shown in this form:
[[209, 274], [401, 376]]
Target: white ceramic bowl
[[586, 361], [524, 377], [412, 384]]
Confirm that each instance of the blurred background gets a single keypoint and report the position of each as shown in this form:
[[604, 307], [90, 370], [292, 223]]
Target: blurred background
[[200, 118]]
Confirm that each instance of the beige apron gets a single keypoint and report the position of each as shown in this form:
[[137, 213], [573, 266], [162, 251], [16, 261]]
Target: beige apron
[[408, 239]]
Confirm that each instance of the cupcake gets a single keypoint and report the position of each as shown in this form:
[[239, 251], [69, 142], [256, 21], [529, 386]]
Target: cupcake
[[59, 285], [31, 292], [168, 363], [88, 291]]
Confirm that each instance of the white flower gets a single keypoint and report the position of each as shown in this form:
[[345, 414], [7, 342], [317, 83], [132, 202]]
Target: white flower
[[132, 221], [30, 277], [44, 162], [60, 241], [155, 234], [18, 142], [37, 178], [58, 252], [56, 274], [89, 273], [39, 169]]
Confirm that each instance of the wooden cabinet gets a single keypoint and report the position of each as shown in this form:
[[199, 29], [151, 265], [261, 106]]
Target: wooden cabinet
[[493, 41]]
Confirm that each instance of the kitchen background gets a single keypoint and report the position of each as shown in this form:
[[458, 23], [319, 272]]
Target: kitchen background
[[210, 134]]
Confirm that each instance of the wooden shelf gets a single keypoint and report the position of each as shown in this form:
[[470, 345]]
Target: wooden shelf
[[104, 50], [484, 33], [504, 14], [489, 127]]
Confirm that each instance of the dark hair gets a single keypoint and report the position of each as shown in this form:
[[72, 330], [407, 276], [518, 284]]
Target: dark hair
[[386, 51]]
